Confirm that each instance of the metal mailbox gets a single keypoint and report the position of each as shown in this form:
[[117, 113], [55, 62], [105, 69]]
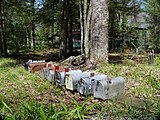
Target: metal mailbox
[[86, 83], [50, 75], [59, 76], [72, 78], [106, 89], [116, 86], [34, 66], [43, 73]]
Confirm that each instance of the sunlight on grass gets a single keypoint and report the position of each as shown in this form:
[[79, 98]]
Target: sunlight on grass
[[26, 94]]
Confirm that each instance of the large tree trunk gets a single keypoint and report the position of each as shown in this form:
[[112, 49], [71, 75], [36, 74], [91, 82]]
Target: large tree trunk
[[99, 35]]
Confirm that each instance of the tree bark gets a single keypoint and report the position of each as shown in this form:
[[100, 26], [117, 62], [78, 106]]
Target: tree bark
[[99, 35], [64, 32], [82, 27], [87, 31]]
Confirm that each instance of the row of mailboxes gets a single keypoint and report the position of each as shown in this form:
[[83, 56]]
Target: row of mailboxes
[[100, 86], [86, 83]]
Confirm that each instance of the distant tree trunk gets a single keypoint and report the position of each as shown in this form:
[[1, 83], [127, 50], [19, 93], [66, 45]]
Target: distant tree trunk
[[99, 35], [112, 23], [33, 24], [70, 30], [1, 35], [64, 32], [2, 25], [82, 26], [52, 24], [33, 34]]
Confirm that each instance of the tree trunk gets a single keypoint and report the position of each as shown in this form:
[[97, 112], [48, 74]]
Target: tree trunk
[[70, 31], [52, 24], [64, 32], [2, 25], [1, 36], [82, 26], [99, 35], [87, 31], [33, 24]]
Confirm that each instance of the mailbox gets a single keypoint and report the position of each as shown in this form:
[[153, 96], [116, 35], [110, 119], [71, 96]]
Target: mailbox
[[116, 86], [72, 78], [43, 73], [60, 74], [34, 66], [50, 75], [86, 83], [105, 88]]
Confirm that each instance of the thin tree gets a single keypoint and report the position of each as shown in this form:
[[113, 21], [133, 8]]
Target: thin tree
[[2, 25]]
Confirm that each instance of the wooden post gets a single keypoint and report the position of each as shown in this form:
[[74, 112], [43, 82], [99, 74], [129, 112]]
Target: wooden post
[[151, 57]]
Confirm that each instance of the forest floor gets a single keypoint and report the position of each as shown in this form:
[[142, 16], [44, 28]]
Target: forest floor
[[26, 96]]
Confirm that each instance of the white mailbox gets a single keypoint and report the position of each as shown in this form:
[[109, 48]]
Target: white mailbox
[[72, 78], [106, 89]]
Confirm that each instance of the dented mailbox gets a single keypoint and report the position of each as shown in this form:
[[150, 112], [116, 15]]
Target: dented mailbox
[[105, 88], [86, 83], [72, 78]]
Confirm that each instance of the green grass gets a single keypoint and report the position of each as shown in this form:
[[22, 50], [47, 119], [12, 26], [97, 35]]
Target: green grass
[[26, 96]]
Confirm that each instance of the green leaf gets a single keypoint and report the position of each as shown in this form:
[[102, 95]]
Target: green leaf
[[42, 114], [7, 107]]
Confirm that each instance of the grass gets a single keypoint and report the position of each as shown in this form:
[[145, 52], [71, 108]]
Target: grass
[[26, 96]]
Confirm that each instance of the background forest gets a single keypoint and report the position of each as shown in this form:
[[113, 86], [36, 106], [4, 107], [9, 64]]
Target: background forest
[[39, 24]]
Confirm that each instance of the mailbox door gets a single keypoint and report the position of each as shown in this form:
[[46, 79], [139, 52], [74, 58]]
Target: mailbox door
[[60, 78], [69, 82]]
